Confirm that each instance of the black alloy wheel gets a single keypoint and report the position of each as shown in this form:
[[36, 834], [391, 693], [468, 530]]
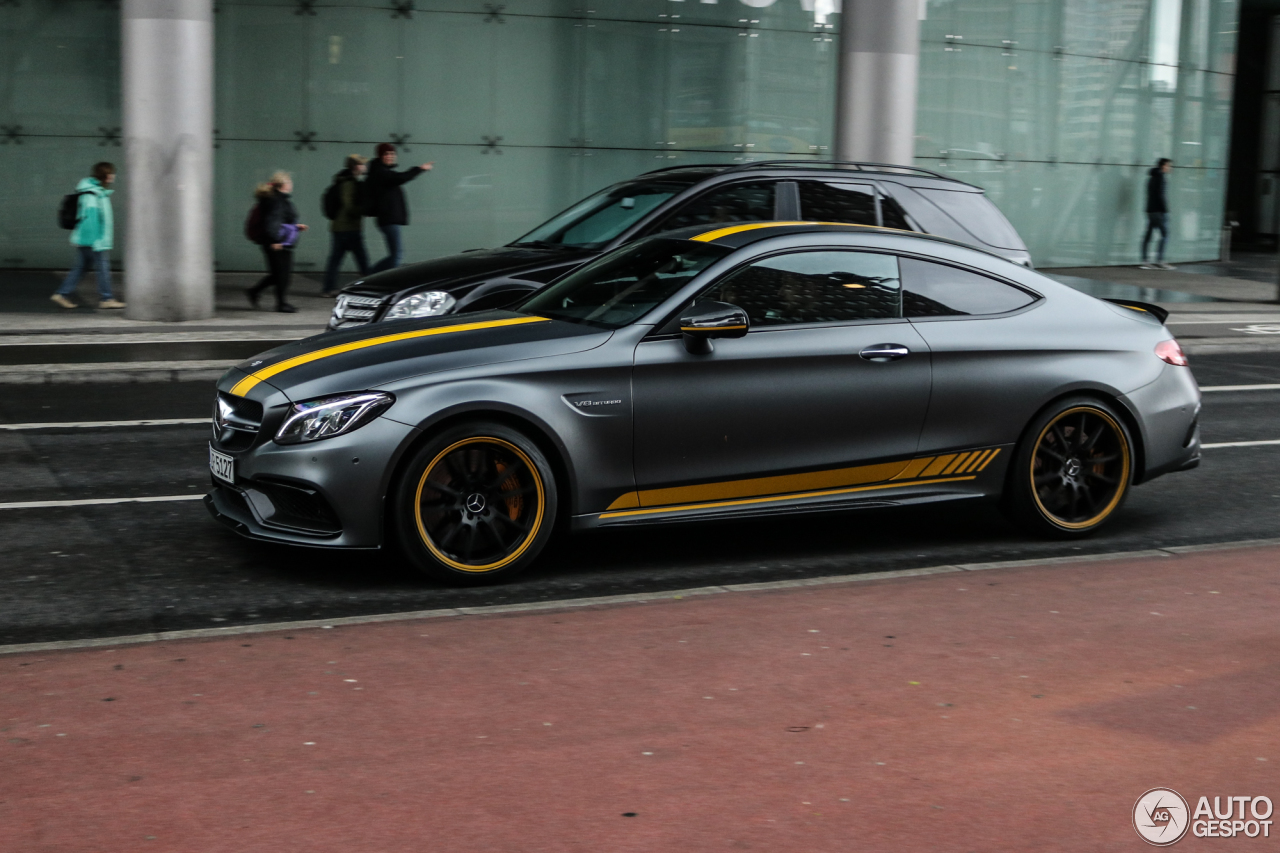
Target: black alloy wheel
[[475, 503], [1072, 470]]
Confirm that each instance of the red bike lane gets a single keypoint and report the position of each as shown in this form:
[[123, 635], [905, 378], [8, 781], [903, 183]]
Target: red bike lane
[[1013, 708]]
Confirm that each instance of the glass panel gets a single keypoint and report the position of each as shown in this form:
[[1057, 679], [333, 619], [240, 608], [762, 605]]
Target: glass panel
[[938, 290], [838, 202], [744, 202], [624, 285], [814, 287]]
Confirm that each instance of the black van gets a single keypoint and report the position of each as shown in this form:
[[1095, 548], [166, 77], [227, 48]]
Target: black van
[[904, 197]]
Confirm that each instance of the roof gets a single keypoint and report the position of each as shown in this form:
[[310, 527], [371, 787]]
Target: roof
[[819, 166]]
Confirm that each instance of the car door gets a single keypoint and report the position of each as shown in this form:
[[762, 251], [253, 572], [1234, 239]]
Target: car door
[[803, 393]]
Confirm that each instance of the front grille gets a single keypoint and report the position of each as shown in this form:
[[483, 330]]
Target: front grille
[[236, 421], [352, 308]]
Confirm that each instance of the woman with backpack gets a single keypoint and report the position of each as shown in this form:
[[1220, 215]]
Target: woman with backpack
[[273, 224], [92, 234]]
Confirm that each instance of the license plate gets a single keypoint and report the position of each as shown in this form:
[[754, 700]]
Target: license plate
[[222, 466]]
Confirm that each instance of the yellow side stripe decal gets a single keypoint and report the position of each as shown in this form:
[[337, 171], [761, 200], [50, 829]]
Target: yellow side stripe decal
[[950, 468], [825, 493], [751, 226], [244, 385]]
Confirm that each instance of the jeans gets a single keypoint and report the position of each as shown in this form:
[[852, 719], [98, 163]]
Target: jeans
[[1160, 222], [395, 249], [86, 257], [341, 242], [279, 269]]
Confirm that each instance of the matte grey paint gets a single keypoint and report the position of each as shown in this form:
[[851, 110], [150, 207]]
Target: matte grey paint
[[775, 394]]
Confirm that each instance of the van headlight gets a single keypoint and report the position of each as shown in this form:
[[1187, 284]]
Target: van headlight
[[330, 416], [429, 304]]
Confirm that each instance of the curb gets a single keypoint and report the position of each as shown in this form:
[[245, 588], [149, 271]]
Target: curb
[[115, 371], [635, 598]]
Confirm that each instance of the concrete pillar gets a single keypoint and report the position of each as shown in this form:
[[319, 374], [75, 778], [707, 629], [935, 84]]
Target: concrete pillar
[[876, 89], [167, 95]]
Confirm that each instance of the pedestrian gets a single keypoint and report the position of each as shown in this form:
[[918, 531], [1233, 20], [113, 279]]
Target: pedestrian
[[344, 205], [274, 225], [92, 236], [385, 187], [1157, 214]]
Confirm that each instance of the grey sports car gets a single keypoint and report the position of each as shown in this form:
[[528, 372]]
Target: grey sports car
[[753, 369]]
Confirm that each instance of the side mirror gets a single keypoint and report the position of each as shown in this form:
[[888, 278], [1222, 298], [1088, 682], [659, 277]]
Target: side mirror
[[707, 320]]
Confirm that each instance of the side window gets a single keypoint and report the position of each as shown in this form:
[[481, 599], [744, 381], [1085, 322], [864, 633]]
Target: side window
[[838, 202], [892, 214], [938, 290], [814, 287], [752, 202]]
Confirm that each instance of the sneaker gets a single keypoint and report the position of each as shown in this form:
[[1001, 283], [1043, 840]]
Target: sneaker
[[59, 299], [1162, 265], [286, 308], [111, 303], [1149, 267]]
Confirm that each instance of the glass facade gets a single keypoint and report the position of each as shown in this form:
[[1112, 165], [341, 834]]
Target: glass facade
[[1057, 107]]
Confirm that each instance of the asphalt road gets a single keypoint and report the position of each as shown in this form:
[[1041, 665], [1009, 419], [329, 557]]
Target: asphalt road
[[108, 570]]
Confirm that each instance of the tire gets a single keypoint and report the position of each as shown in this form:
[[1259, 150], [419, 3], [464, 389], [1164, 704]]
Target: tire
[[458, 519], [1072, 470]]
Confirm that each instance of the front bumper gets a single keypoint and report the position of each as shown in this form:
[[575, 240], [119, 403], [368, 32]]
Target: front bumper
[[329, 493]]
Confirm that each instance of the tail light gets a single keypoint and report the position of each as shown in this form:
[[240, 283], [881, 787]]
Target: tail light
[[1170, 352]]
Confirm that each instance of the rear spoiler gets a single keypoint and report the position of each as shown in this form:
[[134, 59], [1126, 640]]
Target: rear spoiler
[[1154, 310]]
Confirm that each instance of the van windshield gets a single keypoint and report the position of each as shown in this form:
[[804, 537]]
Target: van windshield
[[594, 221]]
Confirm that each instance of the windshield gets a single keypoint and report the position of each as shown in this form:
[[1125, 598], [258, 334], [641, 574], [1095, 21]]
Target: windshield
[[591, 223], [625, 284]]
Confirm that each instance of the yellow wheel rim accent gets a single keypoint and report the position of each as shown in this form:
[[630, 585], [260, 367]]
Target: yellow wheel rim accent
[[533, 528], [1122, 478]]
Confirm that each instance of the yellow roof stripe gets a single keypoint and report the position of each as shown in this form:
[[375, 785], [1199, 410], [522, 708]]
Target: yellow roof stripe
[[751, 226], [244, 385]]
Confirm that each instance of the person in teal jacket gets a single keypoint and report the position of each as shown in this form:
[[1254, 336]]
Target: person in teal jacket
[[92, 238]]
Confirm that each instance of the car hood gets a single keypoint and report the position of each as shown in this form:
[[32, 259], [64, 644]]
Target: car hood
[[463, 268], [370, 356]]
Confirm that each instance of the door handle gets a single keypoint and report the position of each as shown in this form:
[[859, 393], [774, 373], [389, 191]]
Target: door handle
[[885, 352]]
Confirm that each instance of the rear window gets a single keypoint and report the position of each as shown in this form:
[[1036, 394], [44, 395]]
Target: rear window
[[939, 290], [977, 215]]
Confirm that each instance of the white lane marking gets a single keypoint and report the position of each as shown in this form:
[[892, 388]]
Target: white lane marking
[[101, 424], [1241, 388], [1240, 444], [99, 501]]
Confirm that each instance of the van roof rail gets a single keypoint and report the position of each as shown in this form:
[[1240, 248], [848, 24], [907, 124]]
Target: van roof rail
[[857, 165]]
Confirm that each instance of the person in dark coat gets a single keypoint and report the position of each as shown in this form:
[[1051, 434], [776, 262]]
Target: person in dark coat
[[1157, 213], [385, 188], [281, 228], [346, 229]]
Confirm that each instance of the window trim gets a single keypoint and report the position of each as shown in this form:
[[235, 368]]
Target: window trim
[[1037, 299], [661, 332]]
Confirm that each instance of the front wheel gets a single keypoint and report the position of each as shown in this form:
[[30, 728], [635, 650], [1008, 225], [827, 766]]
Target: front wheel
[[475, 503], [1071, 471]]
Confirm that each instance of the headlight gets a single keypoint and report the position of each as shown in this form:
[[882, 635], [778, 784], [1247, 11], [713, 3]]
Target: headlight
[[330, 416], [428, 304]]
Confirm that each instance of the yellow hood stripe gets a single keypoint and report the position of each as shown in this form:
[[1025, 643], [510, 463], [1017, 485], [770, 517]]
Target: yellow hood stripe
[[751, 226], [244, 385]]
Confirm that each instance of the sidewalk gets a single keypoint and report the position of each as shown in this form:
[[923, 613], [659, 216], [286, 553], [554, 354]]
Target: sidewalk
[[1013, 708]]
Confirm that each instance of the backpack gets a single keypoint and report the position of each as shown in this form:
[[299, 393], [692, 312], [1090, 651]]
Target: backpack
[[254, 226], [331, 201], [69, 210]]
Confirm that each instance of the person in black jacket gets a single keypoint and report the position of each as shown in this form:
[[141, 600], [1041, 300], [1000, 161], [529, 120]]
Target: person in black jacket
[[1157, 213], [281, 229], [388, 201]]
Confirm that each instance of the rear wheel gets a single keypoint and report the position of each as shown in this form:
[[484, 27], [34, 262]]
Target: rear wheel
[[475, 504], [1072, 470]]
